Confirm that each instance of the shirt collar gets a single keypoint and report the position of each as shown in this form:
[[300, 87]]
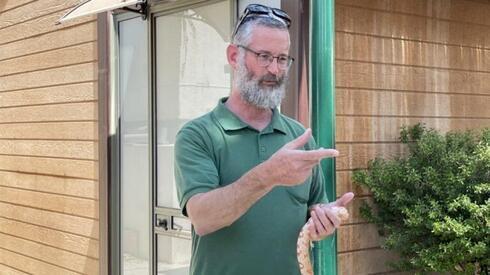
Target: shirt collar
[[229, 121]]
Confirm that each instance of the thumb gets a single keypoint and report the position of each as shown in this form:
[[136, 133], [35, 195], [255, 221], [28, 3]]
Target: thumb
[[344, 200], [299, 141]]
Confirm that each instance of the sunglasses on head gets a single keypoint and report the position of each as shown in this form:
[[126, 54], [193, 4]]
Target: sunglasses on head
[[258, 10]]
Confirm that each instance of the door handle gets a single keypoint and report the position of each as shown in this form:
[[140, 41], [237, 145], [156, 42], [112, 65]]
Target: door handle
[[163, 223]]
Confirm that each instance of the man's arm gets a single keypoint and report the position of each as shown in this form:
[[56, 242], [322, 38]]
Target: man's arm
[[215, 209], [220, 207]]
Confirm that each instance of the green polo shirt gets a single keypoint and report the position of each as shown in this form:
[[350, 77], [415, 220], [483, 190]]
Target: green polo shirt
[[215, 150]]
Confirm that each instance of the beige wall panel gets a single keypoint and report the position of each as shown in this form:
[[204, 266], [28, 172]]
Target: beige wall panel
[[86, 150], [63, 186], [69, 205], [48, 188], [57, 76], [57, 221], [10, 271], [345, 184], [58, 94], [31, 265], [34, 10], [399, 63], [353, 156], [53, 40], [364, 262], [464, 11], [397, 77], [82, 53], [374, 129], [73, 243], [56, 112], [6, 5], [357, 236], [387, 50], [368, 102], [39, 26], [83, 169], [61, 258], [387, 129], [50, 130], [359, 20]]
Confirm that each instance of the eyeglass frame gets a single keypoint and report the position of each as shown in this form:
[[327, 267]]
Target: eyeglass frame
[[275, 13], [271, 58]]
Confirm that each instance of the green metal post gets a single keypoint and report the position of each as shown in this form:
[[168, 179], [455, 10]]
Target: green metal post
[[322, 70]]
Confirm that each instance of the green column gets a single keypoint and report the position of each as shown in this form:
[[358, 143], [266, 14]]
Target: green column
[[322, 60]]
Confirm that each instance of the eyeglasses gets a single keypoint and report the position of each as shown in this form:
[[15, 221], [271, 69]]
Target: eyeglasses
[[265, 59], [261, 10]]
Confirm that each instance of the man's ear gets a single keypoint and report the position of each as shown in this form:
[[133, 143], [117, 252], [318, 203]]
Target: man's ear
[[232, 55]]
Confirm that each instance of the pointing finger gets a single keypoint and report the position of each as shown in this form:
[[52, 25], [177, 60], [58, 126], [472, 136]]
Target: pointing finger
[[320, 154]]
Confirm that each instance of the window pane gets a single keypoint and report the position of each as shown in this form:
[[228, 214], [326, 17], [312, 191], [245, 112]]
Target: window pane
[[133, 92], [173, 255], [192, 74]]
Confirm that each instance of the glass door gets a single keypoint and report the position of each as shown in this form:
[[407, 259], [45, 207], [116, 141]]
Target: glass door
[[191, 74], [132, 211]]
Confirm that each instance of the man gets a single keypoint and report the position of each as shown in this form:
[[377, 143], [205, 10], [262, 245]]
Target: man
[[248, 176]]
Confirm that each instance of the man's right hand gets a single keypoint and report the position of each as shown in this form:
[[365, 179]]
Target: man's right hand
[[291, 165]]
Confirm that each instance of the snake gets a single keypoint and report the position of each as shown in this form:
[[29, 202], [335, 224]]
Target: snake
[[304, 241]]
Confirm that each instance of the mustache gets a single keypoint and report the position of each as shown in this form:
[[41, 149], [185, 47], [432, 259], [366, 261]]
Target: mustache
[[271, 77]]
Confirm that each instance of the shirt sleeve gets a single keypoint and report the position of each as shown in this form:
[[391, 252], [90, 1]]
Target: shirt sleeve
[[195, 170]]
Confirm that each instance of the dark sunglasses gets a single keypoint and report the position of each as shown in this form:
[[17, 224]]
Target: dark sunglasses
[[261, 10]]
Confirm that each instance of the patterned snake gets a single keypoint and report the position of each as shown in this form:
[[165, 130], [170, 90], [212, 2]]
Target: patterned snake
[[304, 240]]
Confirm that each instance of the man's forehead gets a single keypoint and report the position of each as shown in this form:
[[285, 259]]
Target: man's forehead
[[267, 31], [270, 39]]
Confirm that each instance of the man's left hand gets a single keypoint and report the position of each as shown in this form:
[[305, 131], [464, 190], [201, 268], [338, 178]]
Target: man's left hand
[[323, 220]]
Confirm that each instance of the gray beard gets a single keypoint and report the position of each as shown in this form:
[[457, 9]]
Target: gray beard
[[260, 96]]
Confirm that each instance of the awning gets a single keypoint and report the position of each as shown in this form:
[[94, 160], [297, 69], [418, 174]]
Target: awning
[[89, 7]]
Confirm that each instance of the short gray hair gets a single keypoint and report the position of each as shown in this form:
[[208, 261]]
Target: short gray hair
[[244, 33]]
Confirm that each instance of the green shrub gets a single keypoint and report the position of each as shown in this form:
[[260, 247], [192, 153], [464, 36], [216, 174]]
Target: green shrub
[[433, 205]]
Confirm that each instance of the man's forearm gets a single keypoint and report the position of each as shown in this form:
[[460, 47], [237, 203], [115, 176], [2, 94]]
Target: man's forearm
[[221, 207]]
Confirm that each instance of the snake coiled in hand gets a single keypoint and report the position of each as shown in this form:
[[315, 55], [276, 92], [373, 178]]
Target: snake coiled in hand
[[304, 240]]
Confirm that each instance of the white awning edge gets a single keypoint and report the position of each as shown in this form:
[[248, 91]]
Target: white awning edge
[[89, 7]]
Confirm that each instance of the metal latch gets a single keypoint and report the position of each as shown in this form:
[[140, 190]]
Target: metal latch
[[173, 225], [163, 223]]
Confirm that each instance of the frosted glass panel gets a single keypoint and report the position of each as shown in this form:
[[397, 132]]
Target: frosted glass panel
[[133, 95], [192, 74], [174, 255]]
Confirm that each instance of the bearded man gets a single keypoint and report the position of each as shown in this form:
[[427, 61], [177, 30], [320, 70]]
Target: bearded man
[[247, 176]]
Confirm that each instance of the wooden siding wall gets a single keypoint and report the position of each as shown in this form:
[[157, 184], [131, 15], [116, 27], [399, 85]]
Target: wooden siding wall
[[48, 140], [399, 63]]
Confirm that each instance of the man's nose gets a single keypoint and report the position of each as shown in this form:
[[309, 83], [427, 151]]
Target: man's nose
[[273, 68]]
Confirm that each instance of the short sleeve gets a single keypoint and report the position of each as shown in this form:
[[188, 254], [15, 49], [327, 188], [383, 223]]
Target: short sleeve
[[195, 170]]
